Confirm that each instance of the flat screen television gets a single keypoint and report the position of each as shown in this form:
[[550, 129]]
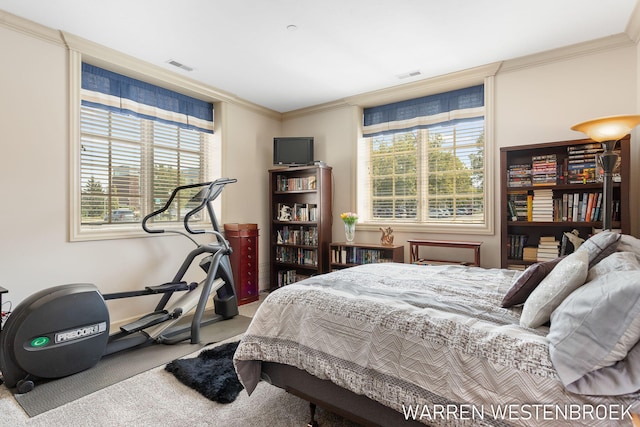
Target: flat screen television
[[291, 151]]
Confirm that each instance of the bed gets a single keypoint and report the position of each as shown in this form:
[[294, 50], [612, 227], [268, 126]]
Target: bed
[[384, 344]]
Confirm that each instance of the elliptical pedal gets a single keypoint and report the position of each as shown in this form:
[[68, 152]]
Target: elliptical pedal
[[148, 320], [170, 287]]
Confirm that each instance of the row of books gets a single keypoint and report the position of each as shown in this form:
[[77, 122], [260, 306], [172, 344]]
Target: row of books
[[516, 245], [297, 212], [540, 206], [354, 255], [286, 183], [544, 169], [582, 163], [580, 166], [519, 175], [292, 235], [291, 255], [581, 206], [548, 248], [286, 277]]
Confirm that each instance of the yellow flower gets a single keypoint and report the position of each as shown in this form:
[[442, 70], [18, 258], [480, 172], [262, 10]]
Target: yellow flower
[[349, 217]]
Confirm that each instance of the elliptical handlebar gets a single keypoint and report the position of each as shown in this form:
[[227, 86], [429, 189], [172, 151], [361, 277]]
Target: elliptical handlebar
[[214, 188]]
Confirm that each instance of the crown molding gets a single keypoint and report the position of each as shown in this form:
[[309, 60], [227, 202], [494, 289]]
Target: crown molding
[[333, 105], [616, 41], [119, 62], [116, 61], [30, 28], [425, 87], [633, 26]]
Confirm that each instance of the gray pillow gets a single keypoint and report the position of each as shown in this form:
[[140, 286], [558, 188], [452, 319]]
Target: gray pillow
[[568, 275], [617, 261], [593, 330], [600, 246]]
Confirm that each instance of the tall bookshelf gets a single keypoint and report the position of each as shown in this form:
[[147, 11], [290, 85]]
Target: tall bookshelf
[[300, 231], [554, 194]]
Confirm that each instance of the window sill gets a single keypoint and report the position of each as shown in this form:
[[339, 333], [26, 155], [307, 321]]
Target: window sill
[[435, 227], [128, 231]]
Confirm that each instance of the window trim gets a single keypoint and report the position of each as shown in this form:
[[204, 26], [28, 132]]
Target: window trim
[[114, 62], [426, 87]]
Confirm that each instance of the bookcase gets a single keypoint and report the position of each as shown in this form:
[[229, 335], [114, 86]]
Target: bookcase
[[552, 188], [344, 255], [300, 231]]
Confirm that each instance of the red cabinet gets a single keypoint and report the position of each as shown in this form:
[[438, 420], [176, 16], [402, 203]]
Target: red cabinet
[[243, 239]]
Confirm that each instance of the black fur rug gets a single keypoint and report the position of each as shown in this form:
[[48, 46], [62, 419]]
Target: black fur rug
[[211, 373]]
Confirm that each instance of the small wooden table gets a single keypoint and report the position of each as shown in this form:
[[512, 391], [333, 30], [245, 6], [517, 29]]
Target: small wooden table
[[414, 246]]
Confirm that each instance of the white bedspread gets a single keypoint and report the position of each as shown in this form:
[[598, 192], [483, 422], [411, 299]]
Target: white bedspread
[[433, 338]]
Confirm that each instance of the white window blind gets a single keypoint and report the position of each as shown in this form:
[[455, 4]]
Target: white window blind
[[422, 161], [130, 165]]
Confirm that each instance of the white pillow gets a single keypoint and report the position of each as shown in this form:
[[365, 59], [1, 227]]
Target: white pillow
[[567, 276], [617, 261], [628, 244]]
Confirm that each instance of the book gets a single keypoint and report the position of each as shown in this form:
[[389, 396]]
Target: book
[[530, 253]]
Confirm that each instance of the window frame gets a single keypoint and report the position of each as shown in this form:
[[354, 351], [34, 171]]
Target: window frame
[[124, 65], [481, 75]]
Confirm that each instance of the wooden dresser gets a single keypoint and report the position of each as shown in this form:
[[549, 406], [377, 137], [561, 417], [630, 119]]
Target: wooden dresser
[[243, 239]]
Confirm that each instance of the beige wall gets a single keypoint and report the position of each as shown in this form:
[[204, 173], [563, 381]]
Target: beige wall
[[35, 251], [247, 152], [537, 100], [335, 133], [533, 103]]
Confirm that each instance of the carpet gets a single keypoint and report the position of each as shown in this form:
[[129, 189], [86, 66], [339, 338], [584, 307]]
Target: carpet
[[211, 373], [120, 366]]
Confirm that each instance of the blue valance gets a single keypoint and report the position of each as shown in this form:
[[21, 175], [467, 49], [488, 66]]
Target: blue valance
[[424, 112], [108, 90]]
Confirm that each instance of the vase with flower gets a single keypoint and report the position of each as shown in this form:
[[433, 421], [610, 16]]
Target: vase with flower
[[350, 219]]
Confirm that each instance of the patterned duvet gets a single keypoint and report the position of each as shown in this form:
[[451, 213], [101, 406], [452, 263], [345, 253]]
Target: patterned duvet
[[429, 341]]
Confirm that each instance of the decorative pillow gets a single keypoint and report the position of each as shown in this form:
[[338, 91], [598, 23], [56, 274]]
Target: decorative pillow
[[595, 328], [524, 284], [566, 277], [617, 261], [629, 244], [600, 246]]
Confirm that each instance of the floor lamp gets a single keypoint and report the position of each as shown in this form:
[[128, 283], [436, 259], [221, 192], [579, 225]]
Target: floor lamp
[[608, 131]]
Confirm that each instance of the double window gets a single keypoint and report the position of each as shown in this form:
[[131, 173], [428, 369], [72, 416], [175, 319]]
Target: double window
[[422, 161], [137, 143]]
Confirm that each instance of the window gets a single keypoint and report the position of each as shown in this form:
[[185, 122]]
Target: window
[[422, 161], [137, 143]]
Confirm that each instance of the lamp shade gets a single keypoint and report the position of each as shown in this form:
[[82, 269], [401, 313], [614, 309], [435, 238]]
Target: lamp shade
[[610, 128]]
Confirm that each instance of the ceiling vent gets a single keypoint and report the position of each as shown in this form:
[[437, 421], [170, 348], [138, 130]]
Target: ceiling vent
[[179, 65], [410, 74]]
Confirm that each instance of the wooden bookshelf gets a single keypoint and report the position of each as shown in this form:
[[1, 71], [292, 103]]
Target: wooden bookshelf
[[344, 255], [523, 229], [300, 230]]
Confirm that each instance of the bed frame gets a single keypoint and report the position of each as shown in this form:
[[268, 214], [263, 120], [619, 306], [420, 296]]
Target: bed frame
[[327, 395]]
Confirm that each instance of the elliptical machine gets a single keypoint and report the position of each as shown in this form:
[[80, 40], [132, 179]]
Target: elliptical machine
[[63, 330]]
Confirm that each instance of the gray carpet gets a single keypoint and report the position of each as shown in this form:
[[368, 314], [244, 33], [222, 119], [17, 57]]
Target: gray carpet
[[117, 367], [156, 398]]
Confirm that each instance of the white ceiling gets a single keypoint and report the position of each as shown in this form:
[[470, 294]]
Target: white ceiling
[[340, 47]]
